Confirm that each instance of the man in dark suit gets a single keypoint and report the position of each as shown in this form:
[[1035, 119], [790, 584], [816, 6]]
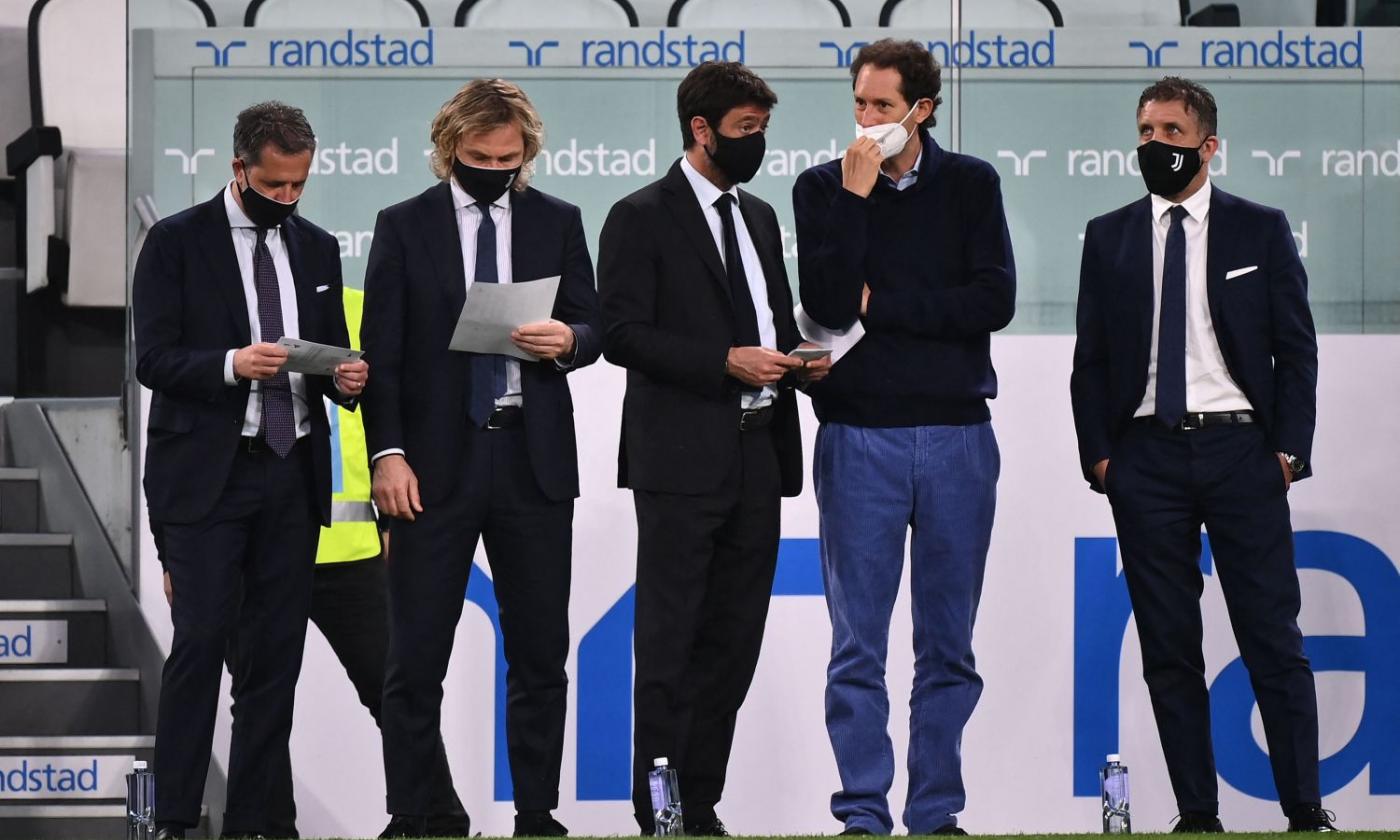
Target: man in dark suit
[[698, 309], [469, 446], [1194, 392], [238, 478]]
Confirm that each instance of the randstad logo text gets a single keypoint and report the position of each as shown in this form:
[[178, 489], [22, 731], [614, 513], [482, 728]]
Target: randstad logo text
[[972, 51], [352, 51], [1280, 51], [668, 49]]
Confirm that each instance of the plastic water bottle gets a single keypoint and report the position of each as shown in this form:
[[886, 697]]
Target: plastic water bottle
[[665, 799], [1113, 787], [140, 802]]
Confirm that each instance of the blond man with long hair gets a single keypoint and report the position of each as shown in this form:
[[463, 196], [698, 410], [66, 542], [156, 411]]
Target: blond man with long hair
[[472, 446]]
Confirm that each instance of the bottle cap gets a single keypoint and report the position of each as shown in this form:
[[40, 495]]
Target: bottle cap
[[1113, 758], [138, 764], [660, 762]]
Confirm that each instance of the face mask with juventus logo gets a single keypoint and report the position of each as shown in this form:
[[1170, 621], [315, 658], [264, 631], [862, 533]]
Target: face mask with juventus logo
[[1167, 169]]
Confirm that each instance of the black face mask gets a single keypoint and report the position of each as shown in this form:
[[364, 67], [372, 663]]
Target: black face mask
[[484, 185], [739, 157], [1167, 169], [263, 211]]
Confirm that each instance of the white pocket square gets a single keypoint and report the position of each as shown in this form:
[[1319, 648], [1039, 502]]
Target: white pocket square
[[1230, 275], [320, 289]]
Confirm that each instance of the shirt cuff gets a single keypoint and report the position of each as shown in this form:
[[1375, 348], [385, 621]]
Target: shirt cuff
[[378, 455], [567, 364], [229, 378]]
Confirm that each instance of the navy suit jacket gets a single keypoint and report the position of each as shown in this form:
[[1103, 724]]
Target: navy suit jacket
[[415, 287], [189, 309], [1261, 318], [666, 302]]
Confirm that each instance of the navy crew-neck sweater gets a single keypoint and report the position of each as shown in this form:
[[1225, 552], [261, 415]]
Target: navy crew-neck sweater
[[937, 257]]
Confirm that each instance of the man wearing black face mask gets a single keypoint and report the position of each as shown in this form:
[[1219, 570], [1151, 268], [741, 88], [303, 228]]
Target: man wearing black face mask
[[1194, 393], [698, 309], [238, 471], [468, 446]]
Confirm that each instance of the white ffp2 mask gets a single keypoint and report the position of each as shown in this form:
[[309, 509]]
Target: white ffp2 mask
[[891, 137]]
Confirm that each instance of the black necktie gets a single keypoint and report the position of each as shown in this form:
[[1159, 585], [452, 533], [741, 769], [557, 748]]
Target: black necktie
[[278, 426], [745, 318], [488, 370], [1171, 329]]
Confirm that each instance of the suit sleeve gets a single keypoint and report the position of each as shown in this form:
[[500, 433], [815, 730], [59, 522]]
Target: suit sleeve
[[163, 363], [577, 304], [831, 227], [337, 334], [983, 304], [628, 276], [1294, 348], [1088, 383], [382, 337]]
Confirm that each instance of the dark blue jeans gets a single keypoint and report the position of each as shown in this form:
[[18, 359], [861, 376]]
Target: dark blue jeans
[[873, 486]]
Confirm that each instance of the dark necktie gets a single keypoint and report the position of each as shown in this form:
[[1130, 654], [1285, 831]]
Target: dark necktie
[[1171, 329], [278, 426], [488, 370], [745, 318]]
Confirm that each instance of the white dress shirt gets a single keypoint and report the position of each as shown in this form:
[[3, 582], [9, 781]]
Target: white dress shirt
[[245, 239], [707, 194], [1209, 386], [468, 218]]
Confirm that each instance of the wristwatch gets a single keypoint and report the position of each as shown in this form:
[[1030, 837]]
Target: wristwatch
[[1295, 464]]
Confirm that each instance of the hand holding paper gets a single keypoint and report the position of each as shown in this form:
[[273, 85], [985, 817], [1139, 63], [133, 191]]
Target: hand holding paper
[[493, 312], [318, 359]]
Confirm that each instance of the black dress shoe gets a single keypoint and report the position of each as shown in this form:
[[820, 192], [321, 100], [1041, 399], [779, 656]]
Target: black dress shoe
[[447, 825], [1190, 822], [706, 828], [1312, 818], [170, 832], [538, 824], [402, 825], [952, 829]]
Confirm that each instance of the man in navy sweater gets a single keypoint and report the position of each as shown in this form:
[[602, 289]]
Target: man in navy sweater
[[912, 241]]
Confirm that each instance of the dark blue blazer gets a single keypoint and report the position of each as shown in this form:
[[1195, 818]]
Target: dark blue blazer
[[415, 287], [1261, 318], [189, 310]]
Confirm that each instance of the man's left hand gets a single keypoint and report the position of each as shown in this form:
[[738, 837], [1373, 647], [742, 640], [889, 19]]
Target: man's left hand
[[1287, 471], [351, 377], [545, 340], [816, 369]]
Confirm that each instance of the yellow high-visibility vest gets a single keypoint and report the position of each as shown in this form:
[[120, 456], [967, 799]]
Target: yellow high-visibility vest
[[352, 534]]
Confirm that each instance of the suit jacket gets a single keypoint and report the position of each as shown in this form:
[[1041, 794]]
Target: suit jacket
[[189, 309], [415, 287], [1261, 318], [666, 305]]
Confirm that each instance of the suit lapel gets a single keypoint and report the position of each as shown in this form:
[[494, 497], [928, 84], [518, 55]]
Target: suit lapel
[[524, 215], [223, 266], [684, 207], [1220, 235], [1139, 254], [444, 241], [769, 253]]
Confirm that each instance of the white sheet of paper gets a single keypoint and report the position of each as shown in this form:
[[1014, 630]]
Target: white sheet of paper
[[840, 341], [493, 310], [309, 357]]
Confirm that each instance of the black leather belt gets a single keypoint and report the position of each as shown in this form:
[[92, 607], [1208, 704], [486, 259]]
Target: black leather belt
[[755, 418], [1200, 419], [257, 445], [505, 417]]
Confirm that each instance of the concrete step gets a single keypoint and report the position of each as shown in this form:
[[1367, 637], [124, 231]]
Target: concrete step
[[69, 701], [36, 565], [50, 633], [74, 822], [19, 500]]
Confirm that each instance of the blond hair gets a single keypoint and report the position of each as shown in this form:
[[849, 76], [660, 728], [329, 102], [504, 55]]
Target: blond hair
[[484, 105]]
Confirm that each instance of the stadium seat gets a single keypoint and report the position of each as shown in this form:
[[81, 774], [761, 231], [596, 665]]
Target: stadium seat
[[322, 13], [771, 13], [502, 14], [170, 14], [1003, 13]]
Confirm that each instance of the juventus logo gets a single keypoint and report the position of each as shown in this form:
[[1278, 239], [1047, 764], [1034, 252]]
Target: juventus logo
[[1177, 160]]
